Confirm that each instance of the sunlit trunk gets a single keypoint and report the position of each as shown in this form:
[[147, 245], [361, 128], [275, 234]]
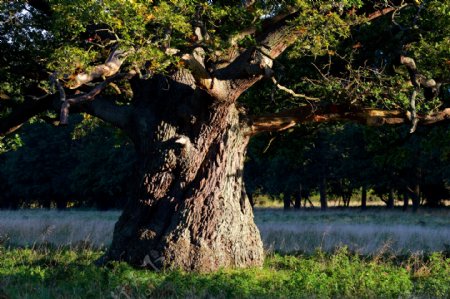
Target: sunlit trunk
[[191, 210]]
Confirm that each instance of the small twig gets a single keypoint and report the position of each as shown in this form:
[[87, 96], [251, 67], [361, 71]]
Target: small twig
[[320, 72], [38, 98], [291, 92], [268, 145]]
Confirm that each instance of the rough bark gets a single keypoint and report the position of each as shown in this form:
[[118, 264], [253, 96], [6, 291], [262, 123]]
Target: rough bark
[[191, 210]]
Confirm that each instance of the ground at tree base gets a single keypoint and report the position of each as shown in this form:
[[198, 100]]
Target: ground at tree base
[[60, 273]]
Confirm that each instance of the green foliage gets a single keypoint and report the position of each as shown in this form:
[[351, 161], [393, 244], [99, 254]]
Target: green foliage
[[85, 163], [10, 143], [429, 280], [350, 156], [50, 273]]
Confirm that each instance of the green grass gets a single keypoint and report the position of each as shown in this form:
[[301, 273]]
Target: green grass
[[62, 273]]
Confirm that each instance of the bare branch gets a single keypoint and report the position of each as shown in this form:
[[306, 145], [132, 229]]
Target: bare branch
[[266, 24], [371, 117], [380, 13], [109, 68], [195, 63], [291, 92], [417, 81]]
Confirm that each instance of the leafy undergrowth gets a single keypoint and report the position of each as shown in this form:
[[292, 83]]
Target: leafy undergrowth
[[62, 273]]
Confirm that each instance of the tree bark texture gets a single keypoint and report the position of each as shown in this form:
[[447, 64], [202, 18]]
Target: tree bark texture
[[416, 198], [323, 194], [390, 202], [363, 197], [190, 210], [287, 200], [405, 201], [298, 199]]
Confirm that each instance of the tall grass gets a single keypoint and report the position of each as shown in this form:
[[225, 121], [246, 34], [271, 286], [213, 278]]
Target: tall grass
[[60, 228], [297, 231], [368, 232]]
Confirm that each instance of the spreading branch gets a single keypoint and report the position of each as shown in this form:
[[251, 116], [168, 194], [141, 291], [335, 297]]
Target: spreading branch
[[195, 63], [266, 24], [23, 112], [380, 13], [369, 116], [65, 107], [104, 108], [255, 63], [108, 69]]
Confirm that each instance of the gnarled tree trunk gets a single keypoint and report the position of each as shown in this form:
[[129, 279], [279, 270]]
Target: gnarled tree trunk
[[190, 211]]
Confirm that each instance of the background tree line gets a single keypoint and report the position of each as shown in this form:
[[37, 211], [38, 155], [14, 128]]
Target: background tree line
[[342, 160], [83, 165], [335, 161]]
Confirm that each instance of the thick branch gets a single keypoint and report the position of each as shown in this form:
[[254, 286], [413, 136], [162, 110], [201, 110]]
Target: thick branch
[[105, 109], [90, 95], [195, 63], [23, 113], [255, 63], [380, 13], [267, 23], [371, 117], [250, 66], [218, 89], [109, 68]]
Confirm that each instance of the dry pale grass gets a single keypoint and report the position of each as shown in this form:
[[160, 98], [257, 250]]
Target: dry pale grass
[[304, 231], [61, 228], [366, 232]]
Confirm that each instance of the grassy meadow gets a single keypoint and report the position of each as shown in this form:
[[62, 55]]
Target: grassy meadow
[[310, 254]]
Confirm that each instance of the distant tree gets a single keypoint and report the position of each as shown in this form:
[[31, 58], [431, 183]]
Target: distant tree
[[57, 169]]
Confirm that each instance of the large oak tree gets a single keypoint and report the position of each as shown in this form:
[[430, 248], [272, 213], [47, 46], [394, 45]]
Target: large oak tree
[[169, 74]]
